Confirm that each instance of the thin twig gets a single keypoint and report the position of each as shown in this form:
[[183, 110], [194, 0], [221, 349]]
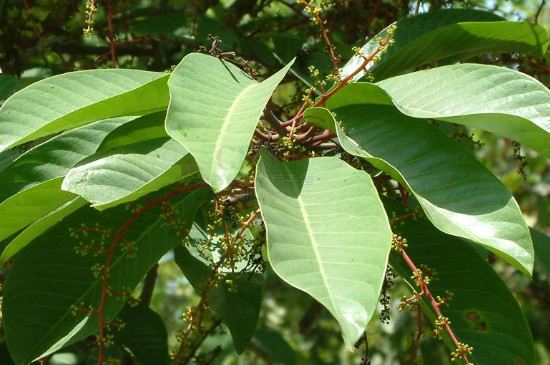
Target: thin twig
[[111, 33]]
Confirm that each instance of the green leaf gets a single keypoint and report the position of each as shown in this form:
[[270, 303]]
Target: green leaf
[[145, 128], [483, 312], [459, 195], [48, 277], [40, 226], [144, 335], [214, 109], [238, 305], [496, 99], [541, 242], [272, 345], [24, 208], [77, 98], [8, 85], [127, 173], [449, 34], [5, 358], [327, 234], [55, 157], [30, 187]]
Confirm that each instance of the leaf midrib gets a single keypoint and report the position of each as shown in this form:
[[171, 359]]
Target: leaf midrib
[[226, 122], [313, 242]]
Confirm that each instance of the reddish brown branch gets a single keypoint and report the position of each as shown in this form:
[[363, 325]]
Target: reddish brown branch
[[118, 236], [425, 292], [111, 33]]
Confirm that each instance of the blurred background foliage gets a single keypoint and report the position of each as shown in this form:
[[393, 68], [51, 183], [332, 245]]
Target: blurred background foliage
[[41, 38]]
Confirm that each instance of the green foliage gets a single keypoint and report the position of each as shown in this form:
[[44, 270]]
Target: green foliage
[[264, 171]]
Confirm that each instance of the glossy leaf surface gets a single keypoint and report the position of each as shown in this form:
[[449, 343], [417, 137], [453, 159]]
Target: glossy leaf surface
[[213, 112], [327, 234], [73, 99]]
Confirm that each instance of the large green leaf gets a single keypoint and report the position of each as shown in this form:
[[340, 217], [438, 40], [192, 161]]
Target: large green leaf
[[496, 99], [541, 242], [24, 208], [451, 33], [73, 99], [8, 85], [459, 195], [54, 158], [48, 276], [327, 234], [145, 128], [127, 173], [30, 187], [214, 109], [40, 226], [237, 305], [483, 312], [143, 335]]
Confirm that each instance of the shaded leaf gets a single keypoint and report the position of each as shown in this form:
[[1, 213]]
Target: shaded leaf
[[448, 34], [144, 335], [327, 234], [274, 346], [541, 243], [145, 128], [8, 85], [483, 312], [48, 278], [238, 306], [459, 195], [213, 112], [73, 99]]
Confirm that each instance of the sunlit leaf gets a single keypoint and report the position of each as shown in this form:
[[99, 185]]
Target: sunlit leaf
[[459, 195], [327, 234], [73, 99], [213, 112]]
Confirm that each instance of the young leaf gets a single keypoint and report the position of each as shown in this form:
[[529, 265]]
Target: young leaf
[[143, 335], [327, 234], [127, 173], [48, 281], [483, 312], [459, 195], [77, 98], [214, 109], [238, 305]]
